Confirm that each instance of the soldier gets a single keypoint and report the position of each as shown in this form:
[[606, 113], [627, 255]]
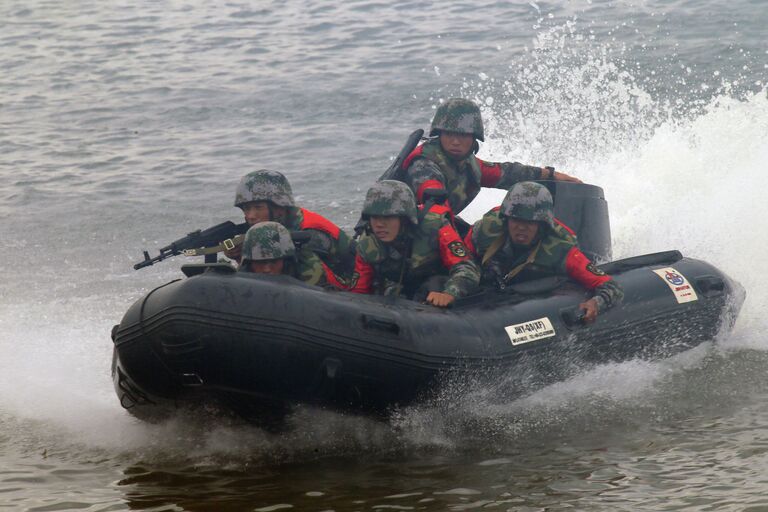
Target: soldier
[[447, 160], [400, 252], [266, 196], [268, 249], [522, 240]]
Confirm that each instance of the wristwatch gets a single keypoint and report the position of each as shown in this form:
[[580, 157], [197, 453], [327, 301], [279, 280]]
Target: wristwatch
[[551, 172]]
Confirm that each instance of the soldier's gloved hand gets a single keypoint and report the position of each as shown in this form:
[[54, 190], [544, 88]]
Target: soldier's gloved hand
[[440, 299], [590, 310], [235, 253]]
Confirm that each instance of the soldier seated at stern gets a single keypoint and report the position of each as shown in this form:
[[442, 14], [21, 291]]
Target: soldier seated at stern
[[409, 252], [269, 249], [521, 240], [267, 196]]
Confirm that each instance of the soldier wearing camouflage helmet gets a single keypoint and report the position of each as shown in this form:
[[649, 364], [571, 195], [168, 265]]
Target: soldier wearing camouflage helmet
[[403, 248], [268, 249], [266, 195], [522, 240], [447, 159], [531, 202]]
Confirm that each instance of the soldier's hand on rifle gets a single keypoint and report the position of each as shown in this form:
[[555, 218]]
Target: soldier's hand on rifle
[[235, 253], [492, 275], [440, 299]]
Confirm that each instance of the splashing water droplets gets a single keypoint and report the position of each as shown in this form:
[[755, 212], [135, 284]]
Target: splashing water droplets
[[663, 151]]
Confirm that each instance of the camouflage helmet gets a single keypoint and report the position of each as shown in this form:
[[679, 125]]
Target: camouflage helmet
[[529, 201], [267, 241], [460, 116], [388, 198], [264, 185]]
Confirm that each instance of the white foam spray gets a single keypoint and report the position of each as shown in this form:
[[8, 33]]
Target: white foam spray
[[676, 176]]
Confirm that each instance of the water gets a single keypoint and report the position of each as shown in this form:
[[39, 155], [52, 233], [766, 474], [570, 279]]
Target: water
[[124, 125]]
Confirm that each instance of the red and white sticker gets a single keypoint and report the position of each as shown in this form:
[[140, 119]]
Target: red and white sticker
[[679, 285], [530, 331]]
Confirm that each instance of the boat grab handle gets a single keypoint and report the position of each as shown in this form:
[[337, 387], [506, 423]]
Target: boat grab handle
[[710, 286], [380, 324]]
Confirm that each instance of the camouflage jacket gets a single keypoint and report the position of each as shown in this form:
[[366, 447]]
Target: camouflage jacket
[[334, 247], [432, 248], [557, 253], [311, 269], [428, 166]]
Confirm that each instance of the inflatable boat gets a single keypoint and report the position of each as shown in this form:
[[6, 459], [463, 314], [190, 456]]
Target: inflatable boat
[[258, 345]]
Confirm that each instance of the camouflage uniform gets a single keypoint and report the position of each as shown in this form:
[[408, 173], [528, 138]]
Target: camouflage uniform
[[553, 252], [270, 241], [424, 248], [428, 166], [328, 241]]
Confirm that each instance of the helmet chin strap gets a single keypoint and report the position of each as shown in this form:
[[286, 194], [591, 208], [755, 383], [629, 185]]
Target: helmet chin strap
[[402, 233]]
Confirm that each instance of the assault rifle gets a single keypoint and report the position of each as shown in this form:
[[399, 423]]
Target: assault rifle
[[207, 242], [395, 171]]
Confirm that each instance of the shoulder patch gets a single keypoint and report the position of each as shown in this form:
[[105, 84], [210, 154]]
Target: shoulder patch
[[592, 268], [458, 249]]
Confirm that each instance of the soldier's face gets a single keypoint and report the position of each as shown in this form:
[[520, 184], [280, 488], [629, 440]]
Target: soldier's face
[[272, 267], [522, 232], [457, 145], [255, 212], [386, 228]]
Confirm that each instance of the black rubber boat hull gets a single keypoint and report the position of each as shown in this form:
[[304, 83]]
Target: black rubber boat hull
[[258, 344]]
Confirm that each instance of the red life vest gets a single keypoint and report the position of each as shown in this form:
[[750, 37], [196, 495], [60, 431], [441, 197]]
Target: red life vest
[[414, 154], [312, 220]]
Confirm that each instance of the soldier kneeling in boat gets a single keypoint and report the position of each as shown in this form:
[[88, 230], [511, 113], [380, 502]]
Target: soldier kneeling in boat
[[267, 196], [521, 240], [269, 249], [404, 249]]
